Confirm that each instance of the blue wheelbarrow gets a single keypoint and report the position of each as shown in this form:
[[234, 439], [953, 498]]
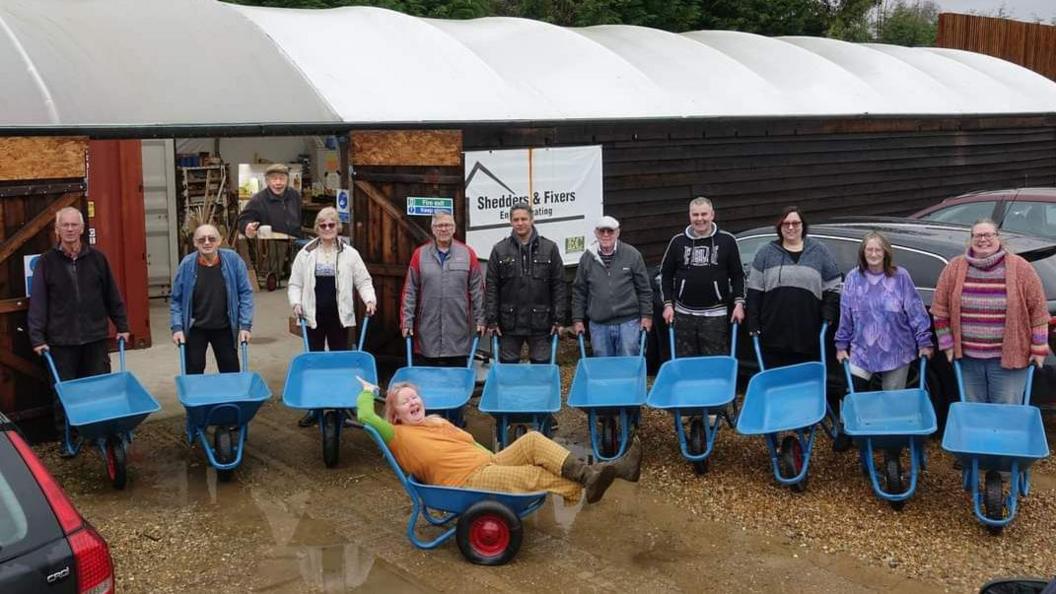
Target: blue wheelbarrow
[[890, 421], [989, 439], [104, 409], [521, 396], [224, 402], [444, 390], [488, 525], [787, 400], [702, 389], [325, 383], [612, 391]]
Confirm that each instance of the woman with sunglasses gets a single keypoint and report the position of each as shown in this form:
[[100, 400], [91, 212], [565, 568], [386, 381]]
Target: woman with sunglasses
[[211, 303], [991, 315], [793, 285]]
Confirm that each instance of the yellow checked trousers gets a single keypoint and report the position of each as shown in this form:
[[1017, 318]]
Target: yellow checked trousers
[[532, 463]]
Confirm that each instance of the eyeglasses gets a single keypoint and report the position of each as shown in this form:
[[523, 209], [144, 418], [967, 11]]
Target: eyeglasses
[[606, 231], [207, 239], [792, 224], [443, 226], [327, 225], [984, 235]]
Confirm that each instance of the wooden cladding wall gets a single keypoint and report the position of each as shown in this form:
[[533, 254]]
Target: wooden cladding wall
[[1032, 45], [753, 168]]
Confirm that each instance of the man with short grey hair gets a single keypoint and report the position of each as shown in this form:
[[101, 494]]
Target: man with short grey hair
[[443, 297], [701, 281], [612, 293], [73, 298]]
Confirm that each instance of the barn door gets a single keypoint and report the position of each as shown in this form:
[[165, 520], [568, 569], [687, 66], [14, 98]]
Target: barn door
[[388, 167]]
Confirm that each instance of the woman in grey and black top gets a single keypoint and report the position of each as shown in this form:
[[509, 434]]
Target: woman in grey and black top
[[794, 285]]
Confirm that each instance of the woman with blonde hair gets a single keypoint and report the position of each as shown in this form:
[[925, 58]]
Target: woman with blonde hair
[[436, 452], [324, 276], [991, 315]]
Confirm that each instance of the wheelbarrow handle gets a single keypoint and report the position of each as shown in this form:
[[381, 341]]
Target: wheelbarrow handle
[[180, 346], [363, 332], [582, 346], [245, 355], [734, 327], [641, 343], [51, 366], [494, 347], [304, 331], [847, 375], [121, 353], [923, 372], [407, 343], [472, 350], [671, 340], [553, 350], [758, 352]]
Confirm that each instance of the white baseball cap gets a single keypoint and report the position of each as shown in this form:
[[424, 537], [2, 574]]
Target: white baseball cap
[[607, 222]]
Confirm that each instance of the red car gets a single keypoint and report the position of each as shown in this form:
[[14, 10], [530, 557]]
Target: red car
[[45, 544], [1030, 211]]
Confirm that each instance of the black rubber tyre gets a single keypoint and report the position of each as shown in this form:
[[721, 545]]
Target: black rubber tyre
[[790, 458], [610, 436], [224, 452], [893, 478], [842, 442], [488, 533], [518, 432], [697, 443], [993, 499], [331, 439], [116, 462]]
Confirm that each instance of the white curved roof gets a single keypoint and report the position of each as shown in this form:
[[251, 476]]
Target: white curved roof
[[158, 62]]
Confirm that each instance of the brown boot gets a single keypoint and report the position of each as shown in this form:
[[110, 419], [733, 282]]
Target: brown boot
[[595, 479], [629, 466]]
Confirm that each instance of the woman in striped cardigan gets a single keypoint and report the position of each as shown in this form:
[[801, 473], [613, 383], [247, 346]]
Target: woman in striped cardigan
[[990, 314]]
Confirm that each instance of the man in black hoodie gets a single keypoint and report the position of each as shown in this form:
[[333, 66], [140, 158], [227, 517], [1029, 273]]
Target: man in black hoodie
[[700, 278]]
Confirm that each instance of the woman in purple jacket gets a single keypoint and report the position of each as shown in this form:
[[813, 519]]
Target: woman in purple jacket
[[883, 322]]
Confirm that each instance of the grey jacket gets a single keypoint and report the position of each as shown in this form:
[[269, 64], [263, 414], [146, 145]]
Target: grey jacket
[[615, 294], [443, 303]]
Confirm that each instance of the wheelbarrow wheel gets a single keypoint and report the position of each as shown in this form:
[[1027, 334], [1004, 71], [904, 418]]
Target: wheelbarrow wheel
[[696, 445], [994, 500], [224, 452], [893, 477], [791, 461], [519, 431], [116, 462], [842, 442], [331, 446], [610, 436], [489, 533]]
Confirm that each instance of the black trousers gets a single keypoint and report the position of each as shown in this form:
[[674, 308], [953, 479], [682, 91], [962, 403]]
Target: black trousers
[[74, 362], [328, 331], [223, 343], [422, 361]]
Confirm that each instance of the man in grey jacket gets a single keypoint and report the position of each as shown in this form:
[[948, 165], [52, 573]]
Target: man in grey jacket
[[612, 293], [443, 298]]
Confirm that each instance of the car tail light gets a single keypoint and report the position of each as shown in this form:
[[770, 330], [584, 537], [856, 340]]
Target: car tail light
[[95, 571]]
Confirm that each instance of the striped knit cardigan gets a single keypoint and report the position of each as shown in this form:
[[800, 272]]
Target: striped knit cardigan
[[1026, 310]]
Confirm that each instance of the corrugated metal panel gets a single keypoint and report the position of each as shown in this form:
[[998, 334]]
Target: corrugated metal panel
[[753, 168]]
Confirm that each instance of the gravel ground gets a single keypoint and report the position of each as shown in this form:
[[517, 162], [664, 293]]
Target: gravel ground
[[936, 537]]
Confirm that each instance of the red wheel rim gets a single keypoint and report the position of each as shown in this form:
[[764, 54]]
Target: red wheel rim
[[111, 464], [489, 535]]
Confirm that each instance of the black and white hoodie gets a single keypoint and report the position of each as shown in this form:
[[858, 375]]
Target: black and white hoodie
[[701, 275]]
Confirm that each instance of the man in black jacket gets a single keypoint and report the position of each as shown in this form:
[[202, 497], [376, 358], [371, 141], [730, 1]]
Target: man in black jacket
[[72, 299], [277, 205], [525, 290], [700, 278]]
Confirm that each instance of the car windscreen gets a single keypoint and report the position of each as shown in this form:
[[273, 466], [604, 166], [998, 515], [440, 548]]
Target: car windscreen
[[1044, 262]]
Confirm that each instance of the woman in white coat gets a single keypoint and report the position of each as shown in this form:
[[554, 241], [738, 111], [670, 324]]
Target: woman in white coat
[[324, 275]]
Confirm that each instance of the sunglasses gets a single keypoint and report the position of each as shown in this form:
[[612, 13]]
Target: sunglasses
[[207, 239], [327, 225]]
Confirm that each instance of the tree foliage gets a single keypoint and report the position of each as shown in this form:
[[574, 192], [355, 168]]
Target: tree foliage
[[906, 22]]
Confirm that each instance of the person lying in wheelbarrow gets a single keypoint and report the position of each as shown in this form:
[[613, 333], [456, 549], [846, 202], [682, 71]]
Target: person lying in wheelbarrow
[[439, 453]]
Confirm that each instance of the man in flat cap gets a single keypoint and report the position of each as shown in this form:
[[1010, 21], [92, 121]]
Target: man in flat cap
[[612, 293], [277, 205]]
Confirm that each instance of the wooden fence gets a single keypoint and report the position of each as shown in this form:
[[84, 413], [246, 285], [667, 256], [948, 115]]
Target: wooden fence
[[1031, 45]]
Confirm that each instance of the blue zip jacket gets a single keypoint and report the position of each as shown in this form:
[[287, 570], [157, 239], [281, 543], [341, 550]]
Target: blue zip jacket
[[236, 280]]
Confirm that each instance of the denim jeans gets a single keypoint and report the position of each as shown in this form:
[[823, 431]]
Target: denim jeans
[[894, 379], [616, 340], [986, 381]]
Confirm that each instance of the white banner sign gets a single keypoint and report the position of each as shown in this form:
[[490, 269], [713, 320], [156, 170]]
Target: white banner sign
[[563, 186]]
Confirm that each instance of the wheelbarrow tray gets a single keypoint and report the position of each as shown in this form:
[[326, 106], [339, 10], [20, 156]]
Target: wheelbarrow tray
[[441, 388], [608, 382], [200, 393], [696, 382], [458, 500], [327, 379], [783, 399], [888, 413], [103, 405], [513, 388], [996, 434]]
